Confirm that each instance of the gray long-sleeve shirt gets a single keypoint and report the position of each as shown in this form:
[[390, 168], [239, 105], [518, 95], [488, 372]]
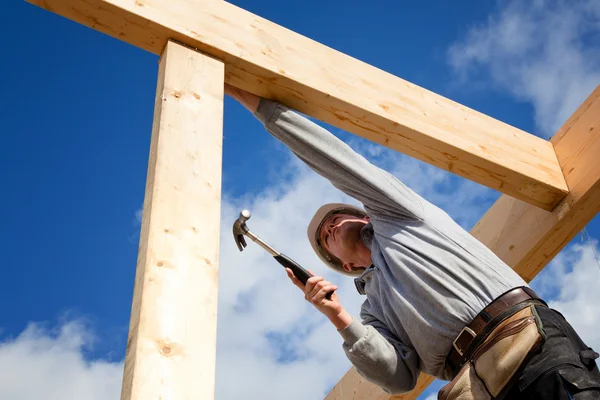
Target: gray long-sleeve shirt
[[429, 276]]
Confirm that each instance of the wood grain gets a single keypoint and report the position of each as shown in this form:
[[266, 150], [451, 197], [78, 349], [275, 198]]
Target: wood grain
[[274, 62], [171, 349], [527, 238], [354, 387]]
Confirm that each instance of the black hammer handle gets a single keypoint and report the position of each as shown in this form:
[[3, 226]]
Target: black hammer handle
[[298, 271]]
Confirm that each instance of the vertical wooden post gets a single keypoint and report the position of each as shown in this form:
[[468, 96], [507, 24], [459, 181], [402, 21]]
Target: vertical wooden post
[[171, 349]]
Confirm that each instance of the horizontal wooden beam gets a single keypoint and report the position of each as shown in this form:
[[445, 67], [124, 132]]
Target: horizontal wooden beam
[[526, 237], [274, 62]]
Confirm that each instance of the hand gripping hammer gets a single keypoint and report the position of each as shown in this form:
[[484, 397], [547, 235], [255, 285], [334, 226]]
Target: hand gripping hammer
[[240, 229]]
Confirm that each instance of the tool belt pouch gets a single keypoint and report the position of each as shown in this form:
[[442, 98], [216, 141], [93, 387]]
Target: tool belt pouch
[[496, 361]]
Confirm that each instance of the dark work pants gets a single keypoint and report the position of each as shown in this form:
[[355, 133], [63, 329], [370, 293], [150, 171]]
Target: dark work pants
[[564, 368]]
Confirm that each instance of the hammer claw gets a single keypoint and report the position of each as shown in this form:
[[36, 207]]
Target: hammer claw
[[240, 241]]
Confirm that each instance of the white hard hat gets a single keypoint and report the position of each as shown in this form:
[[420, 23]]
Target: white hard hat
[[314, 227]]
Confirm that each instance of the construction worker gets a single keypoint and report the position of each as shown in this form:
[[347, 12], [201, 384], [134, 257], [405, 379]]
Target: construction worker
[[434, 293]]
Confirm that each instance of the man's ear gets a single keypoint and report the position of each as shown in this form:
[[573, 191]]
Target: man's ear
[[347, 267]]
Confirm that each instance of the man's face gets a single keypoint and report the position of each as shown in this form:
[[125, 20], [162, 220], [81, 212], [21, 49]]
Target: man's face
[[340, 235]]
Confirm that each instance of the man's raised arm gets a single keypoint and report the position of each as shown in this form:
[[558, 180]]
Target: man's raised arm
[[333, 159]]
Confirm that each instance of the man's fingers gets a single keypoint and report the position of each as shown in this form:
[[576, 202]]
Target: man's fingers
[[311, 282], [295, 280], [317, 288], [320, 295]]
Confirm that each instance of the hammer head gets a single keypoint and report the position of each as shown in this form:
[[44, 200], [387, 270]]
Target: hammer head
[[239, 229]]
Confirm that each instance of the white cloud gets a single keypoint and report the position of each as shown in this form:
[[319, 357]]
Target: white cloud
[[546, 53], [261, 312], [269, 337], [268, 334], [543, 52], [571, 281], [271, 342], [511, 45], [49, 364], [254, 323], [138, 215]]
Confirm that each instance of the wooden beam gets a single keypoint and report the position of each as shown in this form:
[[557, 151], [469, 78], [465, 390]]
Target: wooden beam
[[171, 350], [355, 387], [526, 237], [274, 62]]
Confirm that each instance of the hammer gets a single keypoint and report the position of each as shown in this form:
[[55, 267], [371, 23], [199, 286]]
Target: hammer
[[240, 229]]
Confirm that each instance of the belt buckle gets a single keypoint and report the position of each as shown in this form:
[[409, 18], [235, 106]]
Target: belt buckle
[[465, 329]]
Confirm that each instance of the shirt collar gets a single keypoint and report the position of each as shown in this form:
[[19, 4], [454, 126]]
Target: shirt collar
[[361, 281], [366, 234]]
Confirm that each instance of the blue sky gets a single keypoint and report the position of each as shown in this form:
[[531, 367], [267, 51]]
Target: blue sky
[[77, 117]]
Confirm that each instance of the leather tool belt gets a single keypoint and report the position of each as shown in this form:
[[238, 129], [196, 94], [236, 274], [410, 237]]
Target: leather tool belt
[[488, 352]]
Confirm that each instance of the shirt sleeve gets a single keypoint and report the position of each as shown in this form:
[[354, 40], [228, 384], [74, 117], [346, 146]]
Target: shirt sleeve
[[375, 188], [379, 356]]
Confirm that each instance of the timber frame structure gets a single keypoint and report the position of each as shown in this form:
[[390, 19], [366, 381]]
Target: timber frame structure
[[551, 188]]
